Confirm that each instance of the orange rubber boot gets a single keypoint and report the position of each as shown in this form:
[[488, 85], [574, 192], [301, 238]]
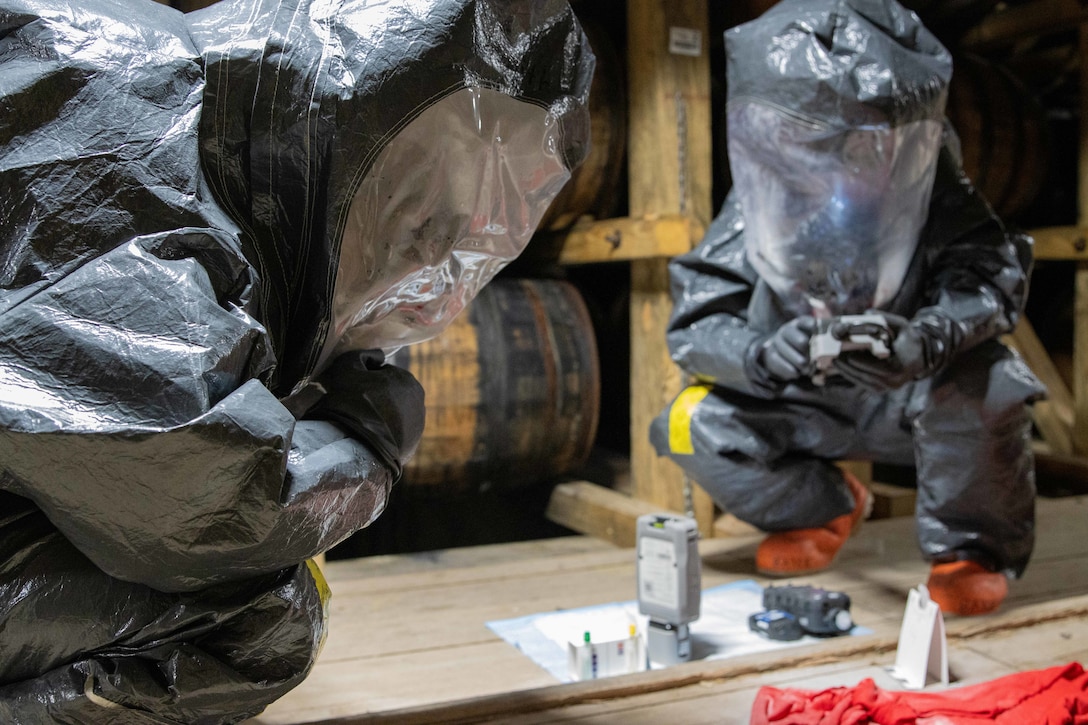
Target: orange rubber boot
[[804, 551], [966, 588]]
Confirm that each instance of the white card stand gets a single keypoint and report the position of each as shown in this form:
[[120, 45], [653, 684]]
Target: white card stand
[[922, 653]]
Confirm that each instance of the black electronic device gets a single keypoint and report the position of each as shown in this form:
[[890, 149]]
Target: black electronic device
[[818, 611], [869, 332], [776, 624]]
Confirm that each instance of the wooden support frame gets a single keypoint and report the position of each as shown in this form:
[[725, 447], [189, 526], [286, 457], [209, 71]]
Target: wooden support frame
[[1080, 304], [1062, 419], [669, 162], [669, 176], [669, 197], [597, 511], [1069, 244], [628, 239]]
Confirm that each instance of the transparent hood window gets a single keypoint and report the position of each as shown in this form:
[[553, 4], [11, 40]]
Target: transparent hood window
[[832, 215], [453, 198]]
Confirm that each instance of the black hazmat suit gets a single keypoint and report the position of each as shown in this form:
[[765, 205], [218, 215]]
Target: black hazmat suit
[[212, 228], [764, 448]]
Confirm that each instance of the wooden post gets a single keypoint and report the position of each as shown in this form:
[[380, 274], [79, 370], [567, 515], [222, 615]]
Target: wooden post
[[1080, 311], [669, 161]]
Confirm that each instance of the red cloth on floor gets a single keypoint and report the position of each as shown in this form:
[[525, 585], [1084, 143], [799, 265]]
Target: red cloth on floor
[[1053, 696]]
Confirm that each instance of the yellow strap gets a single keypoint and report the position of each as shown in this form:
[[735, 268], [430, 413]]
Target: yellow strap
[[324, 594], [323, 590], [680, 418]]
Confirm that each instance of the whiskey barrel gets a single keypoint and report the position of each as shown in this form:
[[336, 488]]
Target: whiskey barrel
[[1003, 133], [512, 391]]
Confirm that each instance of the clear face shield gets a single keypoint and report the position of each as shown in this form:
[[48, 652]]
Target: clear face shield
[[453, 198], [832, 216]]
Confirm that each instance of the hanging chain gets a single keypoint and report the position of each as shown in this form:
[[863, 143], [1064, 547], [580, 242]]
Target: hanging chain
[[682, 180], [682, 148], [689, 498]]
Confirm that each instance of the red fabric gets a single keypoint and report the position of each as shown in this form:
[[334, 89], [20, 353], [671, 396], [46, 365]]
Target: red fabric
[[1053, 696]]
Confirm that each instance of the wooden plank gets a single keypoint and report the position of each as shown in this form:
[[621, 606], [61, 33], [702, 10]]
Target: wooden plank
[[534, 700], [369, 568], [729, 701], [1017, 22], [626, 239], [890, 501], [881, 644], [1037, 645], [669, 156], [597, 511], [1053, 416], [1060, 243], [333, 691], [392, 630]]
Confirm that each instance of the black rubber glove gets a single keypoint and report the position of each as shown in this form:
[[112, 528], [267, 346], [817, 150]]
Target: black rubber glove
[[784, 356], [919, 348], [380, 404]]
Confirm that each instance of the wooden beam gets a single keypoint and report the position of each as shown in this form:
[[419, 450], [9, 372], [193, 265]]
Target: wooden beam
[[626, 239], [1053, 416], [669, 156], [1080, 283], [669, 149], [1060, 243], [875, 647], [597, 511], [890, 501], [1080, 359]]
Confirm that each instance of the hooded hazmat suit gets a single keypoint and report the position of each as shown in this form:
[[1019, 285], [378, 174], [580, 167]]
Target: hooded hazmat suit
[[211, 228], [848, 196]]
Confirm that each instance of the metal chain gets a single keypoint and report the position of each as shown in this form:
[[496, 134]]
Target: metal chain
[[682, 180], [682, 148], [689, 492], [689, 498]]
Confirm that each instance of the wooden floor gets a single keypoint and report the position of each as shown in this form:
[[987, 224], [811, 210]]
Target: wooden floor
[[408, 641]]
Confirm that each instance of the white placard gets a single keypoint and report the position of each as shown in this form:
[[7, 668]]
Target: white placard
[[922, 653], [685, 41]]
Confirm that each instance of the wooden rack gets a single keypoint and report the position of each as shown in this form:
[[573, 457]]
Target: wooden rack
[[1062, 419], [667, 217], [669, 206]]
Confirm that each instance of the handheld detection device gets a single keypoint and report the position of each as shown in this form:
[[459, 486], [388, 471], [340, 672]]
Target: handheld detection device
[[868, 332], [669, 584]]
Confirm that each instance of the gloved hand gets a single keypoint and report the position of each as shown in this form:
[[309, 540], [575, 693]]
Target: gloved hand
[[784, 356], [918, 349], [382, 405]]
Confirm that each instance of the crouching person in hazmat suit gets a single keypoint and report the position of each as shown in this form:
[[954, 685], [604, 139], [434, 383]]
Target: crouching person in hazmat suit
[[849, 199], [213, 228]]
